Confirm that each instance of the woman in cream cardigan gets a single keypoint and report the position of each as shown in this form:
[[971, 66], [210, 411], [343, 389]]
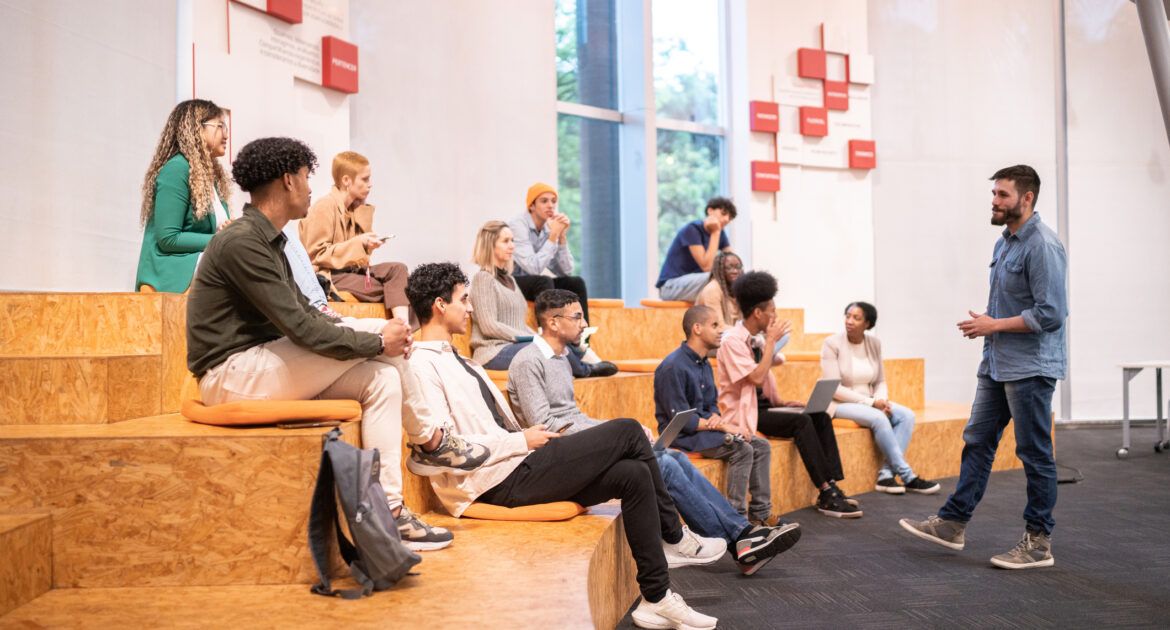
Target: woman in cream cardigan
[[855, 357]]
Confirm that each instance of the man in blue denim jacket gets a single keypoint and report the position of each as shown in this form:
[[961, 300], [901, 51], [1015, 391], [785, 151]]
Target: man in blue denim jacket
[[1023, 356]]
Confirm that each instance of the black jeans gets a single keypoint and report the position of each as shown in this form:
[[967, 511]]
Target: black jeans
[[814, 437], [531, 286], [610, 461]]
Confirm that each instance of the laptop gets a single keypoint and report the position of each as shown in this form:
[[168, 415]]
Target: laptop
[[672, 430], [818, 400]]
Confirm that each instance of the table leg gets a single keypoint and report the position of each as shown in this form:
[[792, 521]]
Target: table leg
[[1127, 375], [1162, 444]]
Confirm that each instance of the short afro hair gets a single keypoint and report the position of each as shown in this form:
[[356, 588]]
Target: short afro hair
[[429, 282], [697, 314], [753, 289], [869, 311], [552, 299], [267, 159]]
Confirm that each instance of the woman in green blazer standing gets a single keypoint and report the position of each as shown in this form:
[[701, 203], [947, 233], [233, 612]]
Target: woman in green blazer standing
[[184, 197]]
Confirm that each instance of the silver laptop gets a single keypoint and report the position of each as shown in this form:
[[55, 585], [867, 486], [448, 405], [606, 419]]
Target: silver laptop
[[672, 430], [818, 400]]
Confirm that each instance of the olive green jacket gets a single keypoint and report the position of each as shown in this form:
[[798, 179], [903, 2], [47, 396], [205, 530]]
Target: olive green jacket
[[173, 238]]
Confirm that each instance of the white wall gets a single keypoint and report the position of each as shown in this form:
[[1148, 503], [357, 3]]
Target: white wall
[[88, 87], [457, 113], [1119, 209], [961, 90], [818, 241]]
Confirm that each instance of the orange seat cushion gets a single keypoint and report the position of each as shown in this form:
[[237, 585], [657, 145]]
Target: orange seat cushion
[[556, 511], [260, 412], [637, 365], [648, 303]]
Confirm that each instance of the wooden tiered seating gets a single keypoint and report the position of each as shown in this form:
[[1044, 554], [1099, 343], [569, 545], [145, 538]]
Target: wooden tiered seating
[[178, 521]]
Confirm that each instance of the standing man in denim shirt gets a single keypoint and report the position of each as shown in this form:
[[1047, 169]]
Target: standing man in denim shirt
[[1023, 356]]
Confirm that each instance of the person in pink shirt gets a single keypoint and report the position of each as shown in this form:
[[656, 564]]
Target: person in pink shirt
[[750, 401]]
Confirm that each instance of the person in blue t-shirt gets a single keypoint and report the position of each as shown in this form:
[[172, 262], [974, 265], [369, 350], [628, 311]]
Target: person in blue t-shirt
[[688, 261]]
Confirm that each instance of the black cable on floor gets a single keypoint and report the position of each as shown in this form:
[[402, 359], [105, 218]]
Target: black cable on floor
[[1076, 478]]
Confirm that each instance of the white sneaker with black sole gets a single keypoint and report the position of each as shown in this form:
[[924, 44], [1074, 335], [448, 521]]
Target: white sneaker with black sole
[[418, 536], [671, 612], [693, 549]]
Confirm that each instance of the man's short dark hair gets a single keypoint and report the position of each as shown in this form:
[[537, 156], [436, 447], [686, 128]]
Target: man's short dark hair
[[868, 310], [551, 300], [722, 203], [1024, 177], [429, 282], [267, 159], [697, 314], [753, 289]]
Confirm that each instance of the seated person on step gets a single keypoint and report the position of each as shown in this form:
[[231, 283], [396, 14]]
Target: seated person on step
[[339, 236], [684, 380], [541, 387], [716, 294], [687, 266], [499, 328], [855, 357], [534, 465], [251, 334], [542, 258], [750, 400]]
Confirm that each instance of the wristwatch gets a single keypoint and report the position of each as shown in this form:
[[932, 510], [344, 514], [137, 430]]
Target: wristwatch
[[381, 343]]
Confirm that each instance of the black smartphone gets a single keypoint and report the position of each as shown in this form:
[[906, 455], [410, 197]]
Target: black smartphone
[[564, 428]]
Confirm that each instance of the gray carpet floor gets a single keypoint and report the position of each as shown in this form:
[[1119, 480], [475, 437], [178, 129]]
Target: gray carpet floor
[[1111, 545]]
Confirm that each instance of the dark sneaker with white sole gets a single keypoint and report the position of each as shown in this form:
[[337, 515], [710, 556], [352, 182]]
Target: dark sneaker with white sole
[[1032, 552], [850, 500], [937, 530], [453, 454], [922, 486], [759, 545], [889, 485], [418, 536], [832, 503]]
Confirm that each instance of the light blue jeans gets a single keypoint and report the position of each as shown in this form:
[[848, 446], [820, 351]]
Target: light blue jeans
[[685, 288], [700, 504], [891, 434]]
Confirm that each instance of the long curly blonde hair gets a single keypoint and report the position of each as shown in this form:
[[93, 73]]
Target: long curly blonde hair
[[183, 134]]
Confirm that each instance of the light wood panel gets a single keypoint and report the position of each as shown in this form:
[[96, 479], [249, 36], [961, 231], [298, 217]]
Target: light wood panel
[[174, 350], [360, 309], [27, 569], [134, 387], [572, 574], [167, 501], [623, 395], [636, 333], [71, 324], [82, 389], [904, 378]]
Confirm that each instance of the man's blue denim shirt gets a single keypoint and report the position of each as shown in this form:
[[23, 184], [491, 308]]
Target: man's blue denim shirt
[[1028, 278]]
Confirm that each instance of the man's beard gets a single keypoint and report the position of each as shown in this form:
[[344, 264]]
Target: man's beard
[[1009, 214]]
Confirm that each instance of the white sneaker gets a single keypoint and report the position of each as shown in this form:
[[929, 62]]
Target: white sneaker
[[671, 612], [693, 549]]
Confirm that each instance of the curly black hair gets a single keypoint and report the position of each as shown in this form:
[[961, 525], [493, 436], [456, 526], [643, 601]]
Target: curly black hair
[[266, 159], [868, 310], [429, 282], [753, 289], [552, 299], [724, 204]]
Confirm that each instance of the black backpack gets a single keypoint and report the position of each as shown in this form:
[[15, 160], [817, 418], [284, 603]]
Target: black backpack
[[377, 558]]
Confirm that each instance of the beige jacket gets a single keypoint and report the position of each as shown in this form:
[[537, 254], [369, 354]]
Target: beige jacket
[[712, 297], [837, 362], [330, 233]]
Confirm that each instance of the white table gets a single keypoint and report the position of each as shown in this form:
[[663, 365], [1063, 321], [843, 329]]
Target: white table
[[1128, 371]]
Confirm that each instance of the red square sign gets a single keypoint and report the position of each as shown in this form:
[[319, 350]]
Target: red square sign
[[814, 121], [339, 65], [766, 176], [765, 116], [810, 63], [288, 10], [837, 95], [862, 154]]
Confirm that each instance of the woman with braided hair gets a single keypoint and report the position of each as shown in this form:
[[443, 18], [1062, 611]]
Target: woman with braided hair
[[184, 196], [717, 295]]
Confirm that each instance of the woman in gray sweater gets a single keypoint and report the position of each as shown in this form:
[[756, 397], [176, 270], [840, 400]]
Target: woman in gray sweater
[[499, 327]]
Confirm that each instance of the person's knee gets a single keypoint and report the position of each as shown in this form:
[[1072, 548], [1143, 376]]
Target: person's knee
[[740, 451], [632, 477]]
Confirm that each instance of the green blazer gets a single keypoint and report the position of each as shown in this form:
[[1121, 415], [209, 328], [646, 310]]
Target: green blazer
[[173, 238]]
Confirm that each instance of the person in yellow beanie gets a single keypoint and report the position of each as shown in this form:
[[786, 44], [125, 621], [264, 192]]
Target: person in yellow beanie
[[543, 260]]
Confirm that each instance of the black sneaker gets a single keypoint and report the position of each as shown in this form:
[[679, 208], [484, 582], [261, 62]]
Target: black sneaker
[[889, 485], [453, 454], [602, 368], [851, 501], [759, 545], [832, 503], [922, 486]]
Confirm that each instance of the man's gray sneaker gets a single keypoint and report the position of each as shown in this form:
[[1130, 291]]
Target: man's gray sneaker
[[949, 534], [418, 536], [453, 454], [1033, 551]]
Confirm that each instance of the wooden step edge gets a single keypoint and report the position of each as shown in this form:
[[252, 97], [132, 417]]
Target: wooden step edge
[[165, 426], [27, 570]]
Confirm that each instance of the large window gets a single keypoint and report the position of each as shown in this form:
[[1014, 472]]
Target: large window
[[607, 104]]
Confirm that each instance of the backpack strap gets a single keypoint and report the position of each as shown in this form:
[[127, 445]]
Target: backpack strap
[[323, 510]]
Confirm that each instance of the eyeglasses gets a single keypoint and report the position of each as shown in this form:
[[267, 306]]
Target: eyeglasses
[[222, 126], [577, 317], [734, 266]]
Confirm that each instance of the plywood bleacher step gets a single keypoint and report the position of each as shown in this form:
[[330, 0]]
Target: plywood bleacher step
[[26, 571]]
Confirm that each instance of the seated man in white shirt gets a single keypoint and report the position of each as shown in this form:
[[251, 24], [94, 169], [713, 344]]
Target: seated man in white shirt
[[613, 461]]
